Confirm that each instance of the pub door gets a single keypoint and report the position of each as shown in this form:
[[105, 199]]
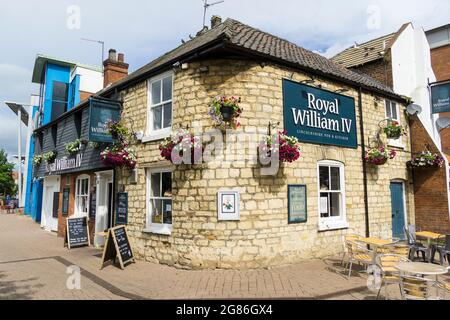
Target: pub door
[[103, 212], [398, 210]]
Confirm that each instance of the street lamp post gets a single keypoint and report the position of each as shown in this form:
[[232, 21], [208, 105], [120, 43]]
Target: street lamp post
[[23, 116]]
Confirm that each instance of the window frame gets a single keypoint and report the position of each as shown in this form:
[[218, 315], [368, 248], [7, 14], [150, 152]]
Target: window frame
[[77, 213], [150, 227], [332, 223], [398, 143], [151, 134]]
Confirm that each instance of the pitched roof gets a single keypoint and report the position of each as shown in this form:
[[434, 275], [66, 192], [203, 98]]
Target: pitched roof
[[234, 35], [370, 51]]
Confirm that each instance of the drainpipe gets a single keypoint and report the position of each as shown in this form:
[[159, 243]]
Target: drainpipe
[[363, 147]]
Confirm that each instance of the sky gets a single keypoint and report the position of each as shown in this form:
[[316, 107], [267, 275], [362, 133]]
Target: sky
[[144, 30]]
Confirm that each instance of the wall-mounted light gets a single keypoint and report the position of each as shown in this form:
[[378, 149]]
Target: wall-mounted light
[[203, 69], [341, 90], [311, 80]]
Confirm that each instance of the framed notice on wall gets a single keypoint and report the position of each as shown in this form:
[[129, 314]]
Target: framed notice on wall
[[297, 204], [228, 203]]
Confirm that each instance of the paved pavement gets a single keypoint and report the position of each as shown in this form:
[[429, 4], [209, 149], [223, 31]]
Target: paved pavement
[[33, 265]]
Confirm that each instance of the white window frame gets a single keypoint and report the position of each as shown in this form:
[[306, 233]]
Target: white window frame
[[398, 143], [333, 223], [157, 228], [153, 135], [77, 196]]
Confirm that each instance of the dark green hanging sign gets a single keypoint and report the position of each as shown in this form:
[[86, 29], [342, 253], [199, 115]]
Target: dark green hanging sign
[[319, 116], [102, 111], [440, 97]]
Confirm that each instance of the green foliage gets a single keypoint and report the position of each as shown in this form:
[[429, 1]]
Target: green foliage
[[7, 185]]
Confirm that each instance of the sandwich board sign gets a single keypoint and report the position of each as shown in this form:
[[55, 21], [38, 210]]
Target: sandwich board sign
[[117, 247], [77, 233]]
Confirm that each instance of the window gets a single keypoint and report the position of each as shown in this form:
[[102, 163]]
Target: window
[[160, 106], [82, 196], [60, 98], [331, 195], [159, 204], [55, 135], [391, 110], [77, 119]]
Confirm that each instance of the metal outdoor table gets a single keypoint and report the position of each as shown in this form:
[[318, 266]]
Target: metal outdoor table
[[424, 269], [430, 237], [374, 244]]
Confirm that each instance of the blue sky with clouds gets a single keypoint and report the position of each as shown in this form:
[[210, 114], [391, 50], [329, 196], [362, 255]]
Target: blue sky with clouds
[[143, 30]]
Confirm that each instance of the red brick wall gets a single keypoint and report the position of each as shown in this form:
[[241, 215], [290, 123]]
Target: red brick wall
[[380, 70], [430, 186], [440, 59], [69, 181]]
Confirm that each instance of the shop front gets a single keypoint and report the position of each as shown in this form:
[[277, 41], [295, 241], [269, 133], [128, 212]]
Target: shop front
[[76, 183]]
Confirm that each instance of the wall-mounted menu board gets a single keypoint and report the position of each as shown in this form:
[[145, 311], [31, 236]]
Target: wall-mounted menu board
[[297, 204], [77, 233], [117, 247], [122, 209], [65, 201], [92, 205]]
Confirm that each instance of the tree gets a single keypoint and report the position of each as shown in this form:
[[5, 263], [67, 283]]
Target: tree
[[7, 184]]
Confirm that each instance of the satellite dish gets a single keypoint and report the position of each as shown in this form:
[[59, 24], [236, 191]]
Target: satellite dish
[[413, 109], [443, 123]]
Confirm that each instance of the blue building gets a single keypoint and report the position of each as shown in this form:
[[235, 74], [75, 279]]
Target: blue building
[[63, 85]]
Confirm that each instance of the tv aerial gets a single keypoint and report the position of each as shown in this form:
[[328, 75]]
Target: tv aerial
[[206, 6]]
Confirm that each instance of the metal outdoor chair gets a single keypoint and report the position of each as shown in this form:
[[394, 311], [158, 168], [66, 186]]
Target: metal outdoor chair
[[357, 253], [443, 248], [389, 274], [416, 288], [444, 288], [348, 237], [415, 247]]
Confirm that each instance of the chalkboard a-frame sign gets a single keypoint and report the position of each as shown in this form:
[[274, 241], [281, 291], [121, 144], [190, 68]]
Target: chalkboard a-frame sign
[[77, 233], [117, 247]]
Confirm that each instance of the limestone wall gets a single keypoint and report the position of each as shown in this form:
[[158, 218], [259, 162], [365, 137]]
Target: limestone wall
[[263, 237]]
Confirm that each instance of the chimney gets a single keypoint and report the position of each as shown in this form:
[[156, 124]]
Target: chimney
[[115, 68], [215, 21]]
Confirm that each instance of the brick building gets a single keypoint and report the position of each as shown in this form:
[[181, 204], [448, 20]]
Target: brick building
[[439, 40], [402, 60]]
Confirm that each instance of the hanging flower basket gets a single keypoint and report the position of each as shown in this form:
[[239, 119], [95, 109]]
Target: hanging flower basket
[[73, 147], [50, 157], [117, 130], [286, 146], [426, 159], [119, 155], [394, 130], [379, 156], [174, 148], [225, 112], [37, 160]]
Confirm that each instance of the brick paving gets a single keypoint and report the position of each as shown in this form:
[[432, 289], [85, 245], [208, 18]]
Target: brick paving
[[33, 265]]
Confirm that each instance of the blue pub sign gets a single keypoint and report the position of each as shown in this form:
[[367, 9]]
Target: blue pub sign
[[100, 112], [319, 116]]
